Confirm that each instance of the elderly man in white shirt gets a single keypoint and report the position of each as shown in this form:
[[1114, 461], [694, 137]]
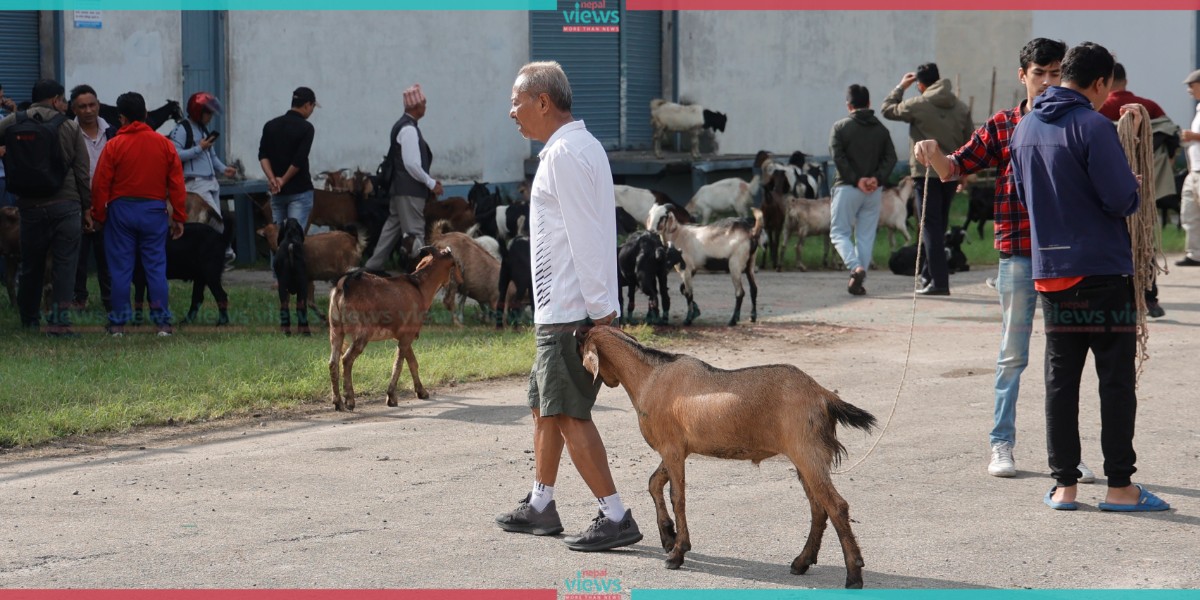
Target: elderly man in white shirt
[[574, 260], [411, 183], [1189, 209]]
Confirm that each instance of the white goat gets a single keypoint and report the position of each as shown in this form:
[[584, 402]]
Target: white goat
[[805, 217], [636, 201], [893, 210], [669, 116], [488, 242], [730, 239], [733, 194]]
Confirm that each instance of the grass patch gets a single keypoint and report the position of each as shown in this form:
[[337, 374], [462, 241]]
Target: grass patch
[[96, 384]]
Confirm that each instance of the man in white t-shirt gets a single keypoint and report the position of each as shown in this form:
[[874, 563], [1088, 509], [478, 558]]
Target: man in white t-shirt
[[573, 244], [1189, 209]]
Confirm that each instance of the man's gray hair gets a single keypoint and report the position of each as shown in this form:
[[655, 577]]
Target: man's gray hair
[[546, 77]]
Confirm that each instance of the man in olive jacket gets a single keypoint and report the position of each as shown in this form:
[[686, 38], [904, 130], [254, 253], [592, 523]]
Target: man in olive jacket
[[936, 114], [864, 156]]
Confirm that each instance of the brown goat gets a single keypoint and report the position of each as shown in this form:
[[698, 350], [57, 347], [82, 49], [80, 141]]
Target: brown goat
[[198, 211], [364, 308], [478, 271], [773, 205], [327, 256], [336, 206], [457, 210], [805, 217], [685, 406]]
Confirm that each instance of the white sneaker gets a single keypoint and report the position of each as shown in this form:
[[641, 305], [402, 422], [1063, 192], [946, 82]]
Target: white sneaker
[[1087, 476], [1002, 464]]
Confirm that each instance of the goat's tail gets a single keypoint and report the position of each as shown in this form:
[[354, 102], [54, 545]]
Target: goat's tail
[[848, 415], [758, 223], [440, 228]]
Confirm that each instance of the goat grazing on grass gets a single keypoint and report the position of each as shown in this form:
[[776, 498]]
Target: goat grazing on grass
[[731, 194], [197, 256], [731, 239], [685, 406], [806, 217], [893, 210], [364, 308], [669, 116], [293, 276]]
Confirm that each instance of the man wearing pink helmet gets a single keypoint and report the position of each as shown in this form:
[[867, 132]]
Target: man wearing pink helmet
[[201, 164]]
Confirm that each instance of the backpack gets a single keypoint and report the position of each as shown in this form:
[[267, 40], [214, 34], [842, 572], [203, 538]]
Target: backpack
[[33, 162], [384, 175]]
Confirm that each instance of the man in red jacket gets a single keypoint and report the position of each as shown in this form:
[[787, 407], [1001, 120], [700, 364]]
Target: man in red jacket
[[137, 173]]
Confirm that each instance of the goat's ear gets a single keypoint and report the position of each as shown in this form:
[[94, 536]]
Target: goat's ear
[[591, 361]]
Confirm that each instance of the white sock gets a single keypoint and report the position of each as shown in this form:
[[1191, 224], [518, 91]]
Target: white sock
[[541, 496], [612, 507]]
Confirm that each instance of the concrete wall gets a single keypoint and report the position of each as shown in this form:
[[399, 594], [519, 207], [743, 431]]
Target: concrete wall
[[782, 76], [1158, 49], [358, 63], [133, 51]]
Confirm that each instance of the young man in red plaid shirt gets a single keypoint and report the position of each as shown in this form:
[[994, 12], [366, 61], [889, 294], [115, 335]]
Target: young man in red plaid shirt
[[1040, 68]]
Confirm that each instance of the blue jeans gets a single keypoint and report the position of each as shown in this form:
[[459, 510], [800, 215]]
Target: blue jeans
[[293, 206], [853, 209], [1018, 299], [137, 229]]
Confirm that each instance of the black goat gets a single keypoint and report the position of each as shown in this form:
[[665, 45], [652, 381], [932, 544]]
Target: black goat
[[642, 264], [292, 276], [515, 268], [197, 256], [982, 207]]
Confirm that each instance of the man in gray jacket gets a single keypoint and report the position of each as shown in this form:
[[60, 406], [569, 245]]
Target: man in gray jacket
[[51, 223], [864, 156], [936, 114]]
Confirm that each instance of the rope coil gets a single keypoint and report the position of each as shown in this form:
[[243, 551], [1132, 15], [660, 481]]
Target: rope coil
[[1144, 230]]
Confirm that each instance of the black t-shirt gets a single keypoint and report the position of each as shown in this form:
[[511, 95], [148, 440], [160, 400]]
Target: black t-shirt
[[285, 142]]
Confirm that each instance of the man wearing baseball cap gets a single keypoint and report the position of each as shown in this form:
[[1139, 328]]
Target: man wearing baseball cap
[[411, 184], [283, 154], [1189, 196]]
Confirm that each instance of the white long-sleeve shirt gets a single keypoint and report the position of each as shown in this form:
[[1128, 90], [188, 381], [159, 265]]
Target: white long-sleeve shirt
[[573, 229], [1193, 148], [410, 153]]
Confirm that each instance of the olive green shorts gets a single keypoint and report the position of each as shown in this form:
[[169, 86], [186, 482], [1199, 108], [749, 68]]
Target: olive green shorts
[[558, 383]]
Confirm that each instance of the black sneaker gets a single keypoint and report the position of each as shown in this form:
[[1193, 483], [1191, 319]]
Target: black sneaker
[[606, 534], [526, 519], [1154, 310], [1187, 261]]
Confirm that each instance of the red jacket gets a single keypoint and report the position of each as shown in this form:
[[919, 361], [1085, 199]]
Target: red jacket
[[138, 163], [1112, 105]]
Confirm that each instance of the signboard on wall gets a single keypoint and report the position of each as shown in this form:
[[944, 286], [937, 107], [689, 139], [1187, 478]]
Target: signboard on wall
[[88, 19]]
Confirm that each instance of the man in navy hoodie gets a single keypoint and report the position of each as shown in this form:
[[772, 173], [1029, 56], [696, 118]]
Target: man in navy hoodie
[[1071, 175]]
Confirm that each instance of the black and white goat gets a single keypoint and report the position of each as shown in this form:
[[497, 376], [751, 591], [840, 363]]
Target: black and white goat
[[642, 264], [804, 179], [638, 201], [734, 240], [669, 116]]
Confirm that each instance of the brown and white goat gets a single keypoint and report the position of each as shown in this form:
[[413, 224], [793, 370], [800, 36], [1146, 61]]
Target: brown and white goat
[[805, 217], [730, 239], [364, 308], [893, 210], [198, 211], [685, 406]]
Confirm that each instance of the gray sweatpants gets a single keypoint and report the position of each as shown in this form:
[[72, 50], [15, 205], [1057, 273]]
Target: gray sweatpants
[[406, 217]]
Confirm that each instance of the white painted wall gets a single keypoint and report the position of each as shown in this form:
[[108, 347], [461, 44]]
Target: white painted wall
[[359, 62], [1158, 49], [132, 51]]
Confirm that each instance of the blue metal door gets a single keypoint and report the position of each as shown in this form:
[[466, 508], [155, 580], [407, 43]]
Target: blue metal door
[[20, 59], [203, 46]]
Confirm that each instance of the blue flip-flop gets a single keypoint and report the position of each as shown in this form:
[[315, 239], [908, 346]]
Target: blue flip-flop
[[1147, 502], [1049, 500]]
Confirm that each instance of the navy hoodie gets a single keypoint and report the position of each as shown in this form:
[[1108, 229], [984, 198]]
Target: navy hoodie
[[1072, 176]]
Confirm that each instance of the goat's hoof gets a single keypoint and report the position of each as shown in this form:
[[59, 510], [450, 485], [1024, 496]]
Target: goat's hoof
[[800, 565], [392, 402], [674, 562], [339, 406], [753, 317], [423, 394], [349, 403], [854, 584]]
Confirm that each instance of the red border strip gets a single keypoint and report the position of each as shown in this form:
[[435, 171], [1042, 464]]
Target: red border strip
[[286, 594], [916, 5]]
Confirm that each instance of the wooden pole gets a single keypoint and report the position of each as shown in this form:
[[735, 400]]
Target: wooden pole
[[992, 102]]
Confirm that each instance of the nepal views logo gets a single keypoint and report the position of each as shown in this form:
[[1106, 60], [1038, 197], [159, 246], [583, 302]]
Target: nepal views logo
[[591, 16]]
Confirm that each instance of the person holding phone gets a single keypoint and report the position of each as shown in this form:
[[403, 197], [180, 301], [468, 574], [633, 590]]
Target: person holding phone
[[201, 165]]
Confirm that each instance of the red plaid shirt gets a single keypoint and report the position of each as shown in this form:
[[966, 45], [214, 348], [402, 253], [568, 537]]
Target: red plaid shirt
[[988, 147]]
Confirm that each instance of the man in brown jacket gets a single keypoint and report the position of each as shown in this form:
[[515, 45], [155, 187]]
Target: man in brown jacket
[[936, 114], [52, 221]]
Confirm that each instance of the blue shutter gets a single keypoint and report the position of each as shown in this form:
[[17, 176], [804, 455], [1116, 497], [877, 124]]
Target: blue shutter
[[203, 47], [20, 59], [642, 36], [592, 64]]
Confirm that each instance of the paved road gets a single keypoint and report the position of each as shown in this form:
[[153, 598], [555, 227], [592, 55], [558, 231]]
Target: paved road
[[404, 497]]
